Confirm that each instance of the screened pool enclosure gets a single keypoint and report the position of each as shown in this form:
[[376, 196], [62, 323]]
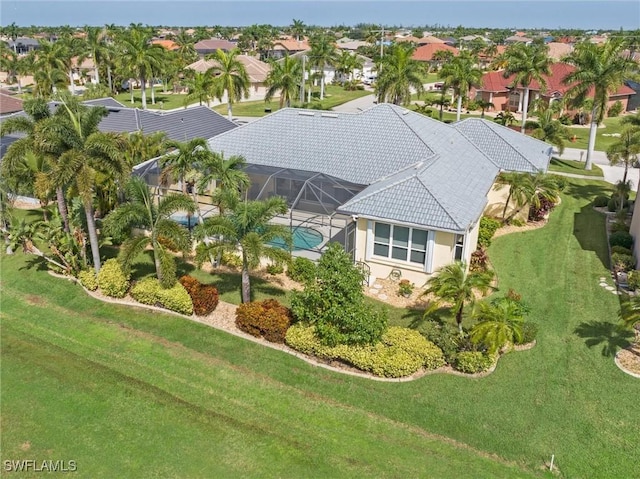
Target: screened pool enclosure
[[313, 199]]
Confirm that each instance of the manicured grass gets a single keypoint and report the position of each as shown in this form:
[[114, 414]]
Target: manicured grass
[[334, 95], [164, 101], [148, 394], [603, 138], [574, 167]]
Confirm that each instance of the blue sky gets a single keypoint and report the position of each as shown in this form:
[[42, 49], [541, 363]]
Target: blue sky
[[585, 14]]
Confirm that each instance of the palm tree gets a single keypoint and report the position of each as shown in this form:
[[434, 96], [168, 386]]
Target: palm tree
[[625, 151], [500, 323], [622, 190], [95, 48], [600, 71], [456, 285], [505, 118], [441, 102], [87, 151], [142, 147], [50, 65], [400, 76], [549, 129], [527, 63], [202, 87], [633, 120], [538, 186], [165, 235], [186, 50], [13, 64], [483, 105], [140, 57], [223, 173], [231, 76], [461, 73], [284, 77], [297, 28], [179, 163], [516, 183], [346, 63], [323, 53], [246, 227]]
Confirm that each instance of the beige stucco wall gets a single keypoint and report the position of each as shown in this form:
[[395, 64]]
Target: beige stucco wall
[[635, 225], [495, 204], [443, 254]]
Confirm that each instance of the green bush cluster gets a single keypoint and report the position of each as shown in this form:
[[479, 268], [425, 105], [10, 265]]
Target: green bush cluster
[[268, 319], [619, 226], [621, 238], [274, 269], [88, 279], [621, 250], [529, 333], [401, 352], [302, 270], [488, 227], [624, 262], [230, 259], [176, 298], [601, 201], [473, 362], [112, 279], [615, 109], [633, 280]]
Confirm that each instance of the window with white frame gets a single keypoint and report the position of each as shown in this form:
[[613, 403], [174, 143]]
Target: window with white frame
[[458, 248], [400, 243]]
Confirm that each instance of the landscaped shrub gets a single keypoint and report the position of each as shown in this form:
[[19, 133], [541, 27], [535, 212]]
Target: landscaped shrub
[[622, 262], [540, 213], [488, 227], [274, 269], [612, 205], [88, 279], [203, 296], [621, 250], [529, 333], [601, 201], [302, 270], [444, 336], [473, 362], [633, 280], [112, 280], [615, 109], [176, 298], [619, 226], [561, 182], [268, 319], [479, 260], [231, 259], [621, 238], [400, 353]]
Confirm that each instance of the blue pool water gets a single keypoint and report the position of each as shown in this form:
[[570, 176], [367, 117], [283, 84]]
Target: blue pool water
[[303, 238]]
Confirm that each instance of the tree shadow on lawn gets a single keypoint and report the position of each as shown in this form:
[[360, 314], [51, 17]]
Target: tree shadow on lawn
[[588, 191], [613, 337], [589, 228]]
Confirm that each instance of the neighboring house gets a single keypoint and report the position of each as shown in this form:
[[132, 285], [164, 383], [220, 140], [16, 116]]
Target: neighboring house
[[24, 45], [287, 46], [498, 90], [426, 52], [634, 101], [558, 51], [401, 191], [518, 39], [352, 45], [166, 44], [9, 103], [256, 69], [205, 47], [330, 75]]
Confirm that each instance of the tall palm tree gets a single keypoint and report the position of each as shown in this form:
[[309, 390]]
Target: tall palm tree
[[400, 76], [223, 173], [500, 323], [50, 61], [323, 54], [13, 64], [184, 158], [456, 285], [87, 151], [186, 47], [142, 147], [484, 105], [515, 181], [202, 88], [297, 28], [94, 47], [231, 76], [625, 151], [622, 190], [285, 77], [461, 73], [246, 227], [549, 129], [166, 235], [346, 63], [527, 63], [599, 71], [140, 57]]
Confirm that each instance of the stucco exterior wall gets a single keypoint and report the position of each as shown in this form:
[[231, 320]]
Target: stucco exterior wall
[[495, 204], [635, 226]]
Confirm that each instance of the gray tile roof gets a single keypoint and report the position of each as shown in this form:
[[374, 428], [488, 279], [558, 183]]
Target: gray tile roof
[[417, 170], [509, 149], [106, 102]]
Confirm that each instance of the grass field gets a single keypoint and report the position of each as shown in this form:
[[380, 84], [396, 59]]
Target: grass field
[[164, 101], [574, 167], [129, 393], [603, 136]]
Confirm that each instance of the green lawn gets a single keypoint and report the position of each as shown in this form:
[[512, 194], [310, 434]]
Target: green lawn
[[574, 167], [146, 394], [334, 95], [603, 138], [164, 101]]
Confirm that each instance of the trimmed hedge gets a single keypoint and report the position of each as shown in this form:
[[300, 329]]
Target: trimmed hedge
[[623, 261], [488, 227], [268, 319], [112, 279], [176, 298], [401, 352], [601, 201], [204, 297], [621, 250], [473, 362], [529, 333], [88, 279], [621, 238]]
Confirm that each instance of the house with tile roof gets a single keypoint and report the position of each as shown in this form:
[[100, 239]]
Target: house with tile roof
[[205, 47], [425, 53], [402, 192], [504, 95], [9, 103]]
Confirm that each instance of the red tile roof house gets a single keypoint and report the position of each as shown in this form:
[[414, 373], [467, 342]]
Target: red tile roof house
[[204, 47], [498, 90], [426, 52], [9, 103]]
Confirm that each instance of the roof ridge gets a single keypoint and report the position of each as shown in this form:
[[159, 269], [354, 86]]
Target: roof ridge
[[411, 128], [498, 132], [438, 201], [494, 163], [386, 187]]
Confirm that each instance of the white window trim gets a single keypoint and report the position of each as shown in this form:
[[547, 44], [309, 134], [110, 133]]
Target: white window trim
[[428, 263]]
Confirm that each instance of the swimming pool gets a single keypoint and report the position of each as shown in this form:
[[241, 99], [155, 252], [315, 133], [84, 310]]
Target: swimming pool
[[303, 238]]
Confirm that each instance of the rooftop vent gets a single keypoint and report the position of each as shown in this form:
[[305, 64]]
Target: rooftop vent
[[329, 115], [306, 113]]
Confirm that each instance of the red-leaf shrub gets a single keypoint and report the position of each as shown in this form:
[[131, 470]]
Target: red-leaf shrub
[[538, 214], [268, 319], [203, 296], [479, 260]]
